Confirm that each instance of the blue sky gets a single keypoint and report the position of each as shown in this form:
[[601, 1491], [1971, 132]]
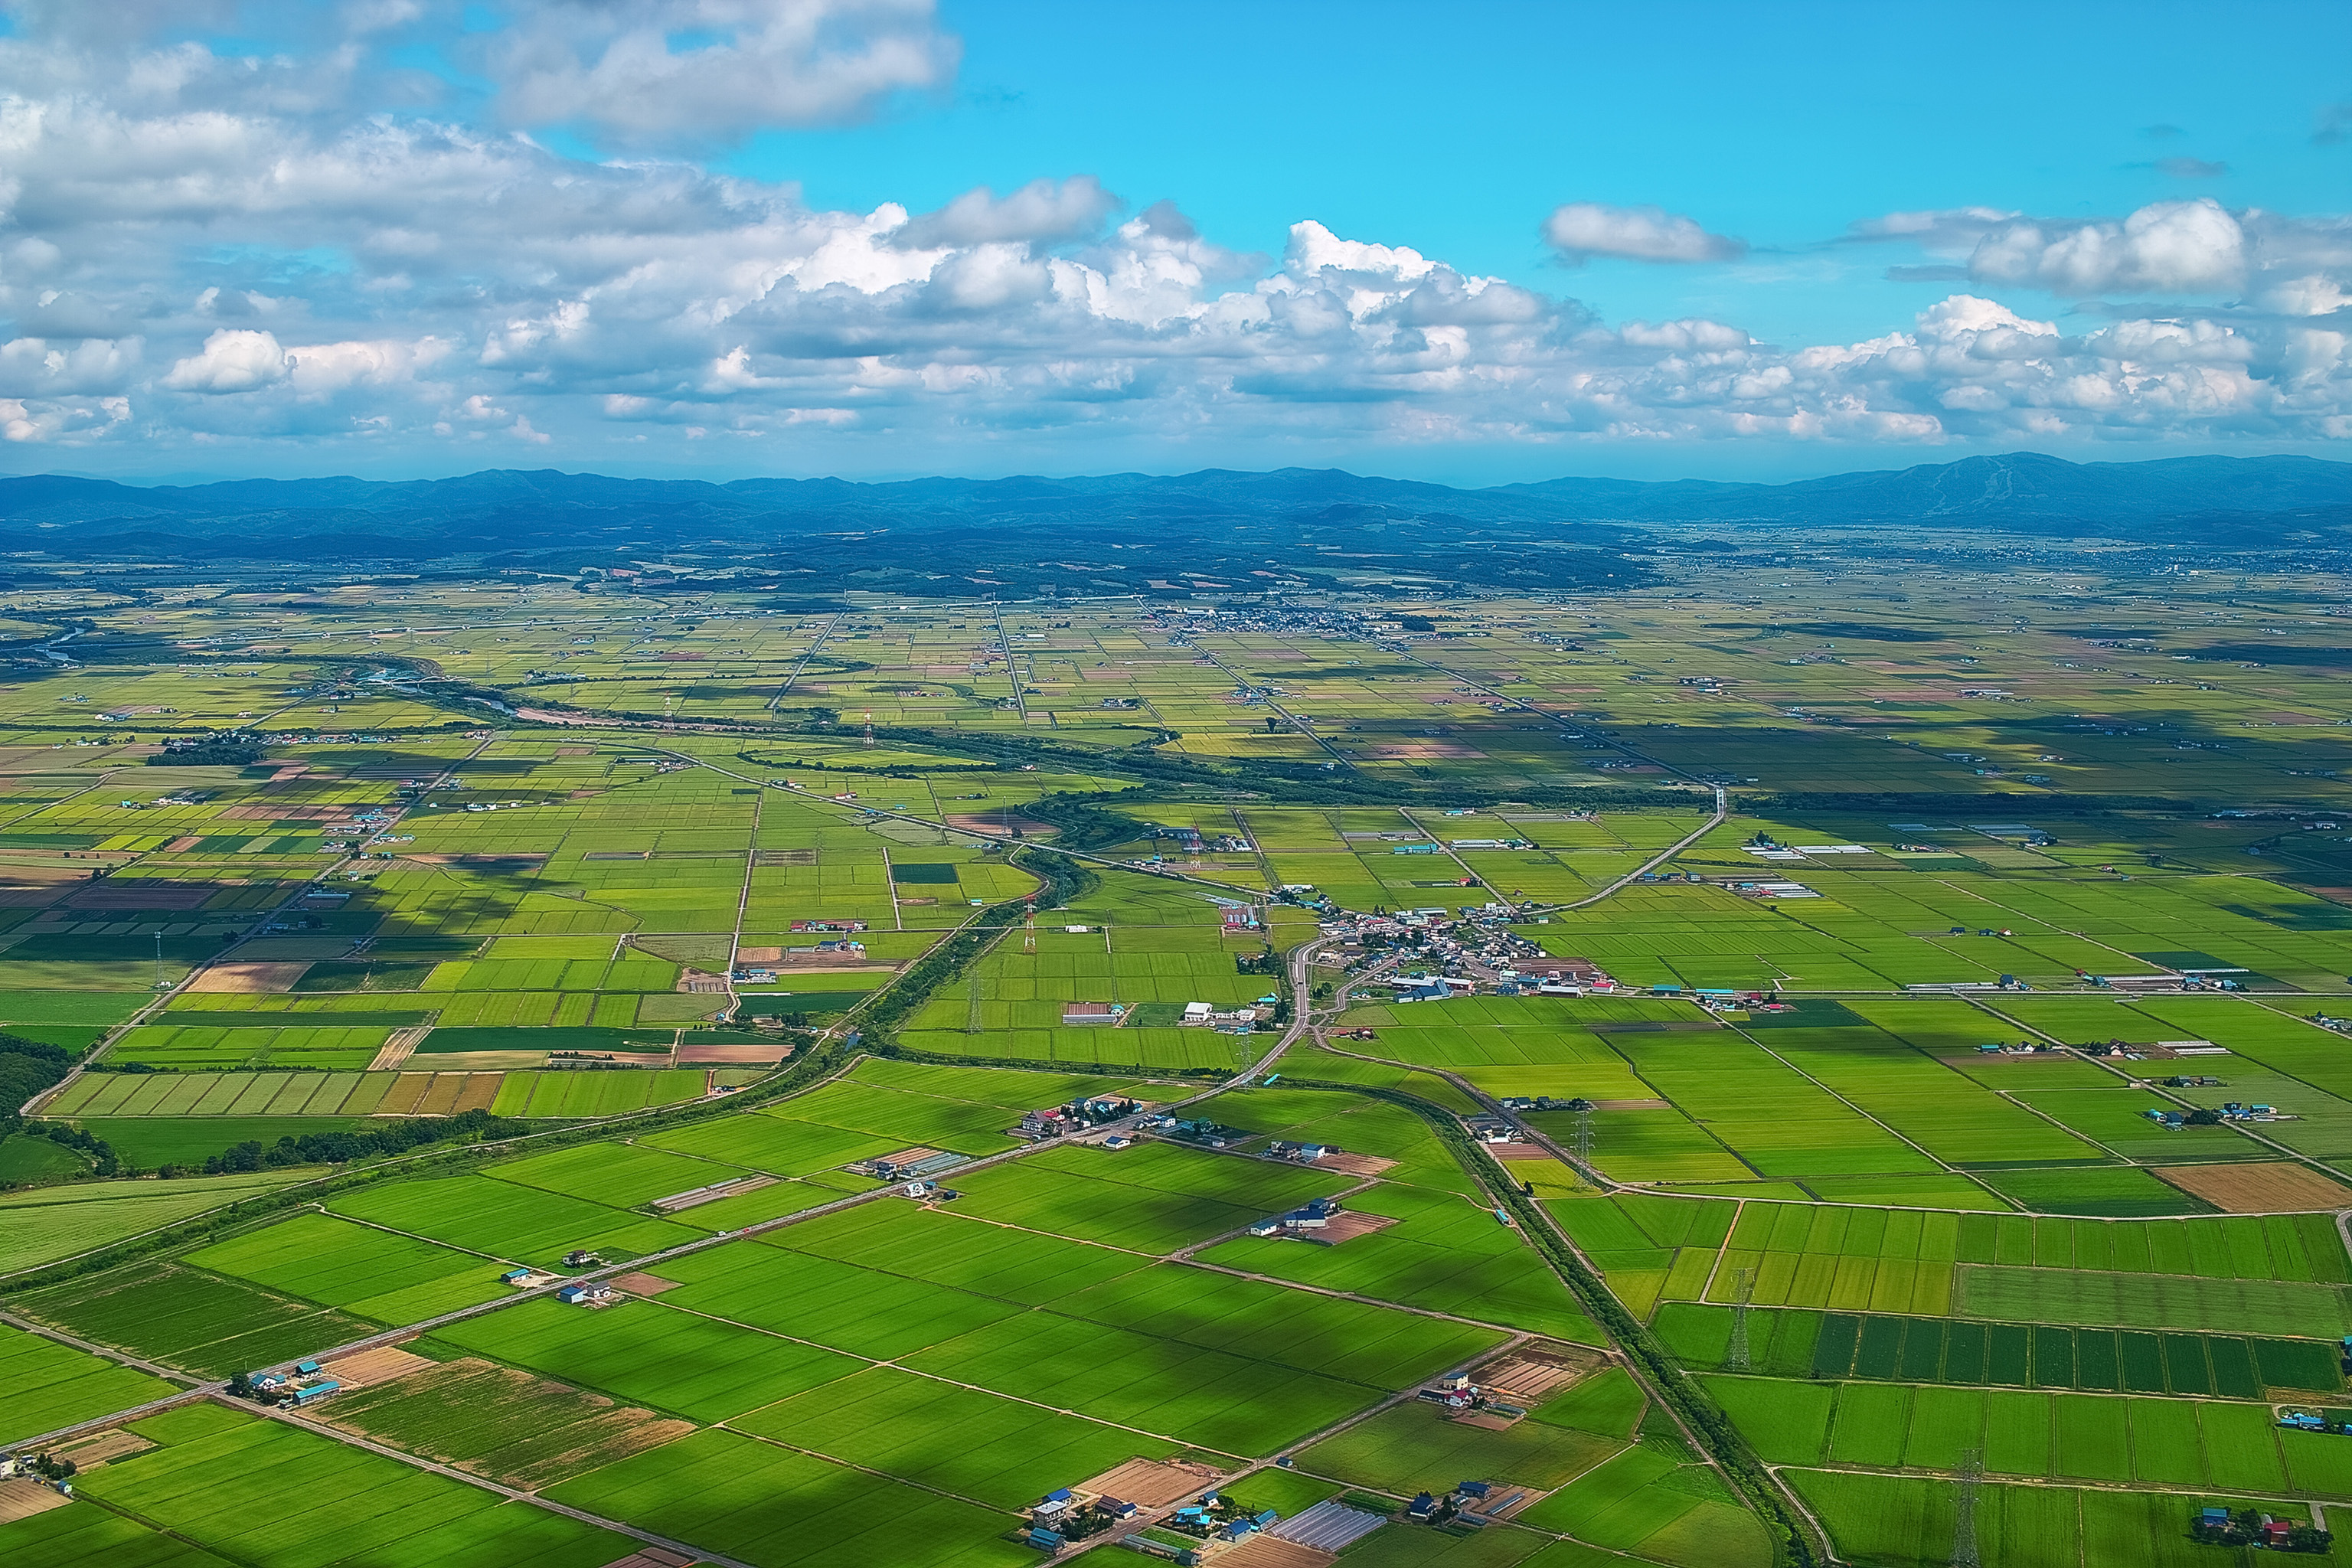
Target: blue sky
[[877, 238], [1780, 125]]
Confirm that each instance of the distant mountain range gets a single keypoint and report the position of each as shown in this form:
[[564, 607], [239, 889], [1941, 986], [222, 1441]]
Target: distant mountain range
[[2220, 500]]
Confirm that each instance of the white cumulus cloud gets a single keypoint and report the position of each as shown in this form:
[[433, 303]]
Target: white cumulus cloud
[[1580, 230], [661, 70], [234, 360], [202, 251]]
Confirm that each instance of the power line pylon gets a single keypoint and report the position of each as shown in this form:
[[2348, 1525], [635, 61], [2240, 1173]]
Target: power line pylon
[[1029, 931], [1964, 1522], [1743, 1287]]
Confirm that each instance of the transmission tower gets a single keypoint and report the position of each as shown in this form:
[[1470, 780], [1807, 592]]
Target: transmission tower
[[971, 1016], [1029, 931], [1584, 1137], [1743, 1287], [869, 727], [1964, 1522]]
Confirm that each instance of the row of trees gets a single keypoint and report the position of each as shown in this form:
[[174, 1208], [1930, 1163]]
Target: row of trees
[[342, 1148]]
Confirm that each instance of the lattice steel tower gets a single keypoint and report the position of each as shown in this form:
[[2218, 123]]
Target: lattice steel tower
[[1743, 1287], [1964, 1522], [1584, 1136]]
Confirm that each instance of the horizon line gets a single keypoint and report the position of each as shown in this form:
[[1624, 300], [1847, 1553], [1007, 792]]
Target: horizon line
[[190, 482]]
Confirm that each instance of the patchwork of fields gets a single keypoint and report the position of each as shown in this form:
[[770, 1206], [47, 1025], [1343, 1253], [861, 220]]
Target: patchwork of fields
[[378, 1034]]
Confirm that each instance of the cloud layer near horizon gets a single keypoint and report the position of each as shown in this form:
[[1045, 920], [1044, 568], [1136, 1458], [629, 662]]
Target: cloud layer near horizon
[[202, 251]]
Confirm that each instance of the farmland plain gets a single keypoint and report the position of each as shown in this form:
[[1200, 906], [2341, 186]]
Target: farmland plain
[[396, 1008]]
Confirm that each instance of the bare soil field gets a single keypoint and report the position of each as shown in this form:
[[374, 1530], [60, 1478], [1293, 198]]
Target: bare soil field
[[249, 979], [732, 1056], [2258, 1189], [1151, 1483], [371, 1367], [21, 1497]]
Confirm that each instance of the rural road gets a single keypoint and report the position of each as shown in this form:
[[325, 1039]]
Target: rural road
[[1722, 812], [1301, 957], [303, 891]]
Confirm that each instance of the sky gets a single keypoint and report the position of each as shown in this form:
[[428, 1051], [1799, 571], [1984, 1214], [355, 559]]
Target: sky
[[1476, 243]]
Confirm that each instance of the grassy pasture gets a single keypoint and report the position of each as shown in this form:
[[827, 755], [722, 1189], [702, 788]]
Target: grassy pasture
[[373, 1273], [1649, 1498], [561, 1095], [2135, 1439], [1000, 1452], [1211, 1398], [1151, 1198], [965, 1126], [1413, 1448], [619, 1175], [1840, 1345], [209, 1486], [940, 1247], [779, 1508], [650, 1354], [187, 1318], [45, 1385], [1298, 1329], [1445, 1253], [765, 1141], [1907, 1521], [43, 1223], [2154, 1302], [506, 1220], [860, 1310], [85, 1533]]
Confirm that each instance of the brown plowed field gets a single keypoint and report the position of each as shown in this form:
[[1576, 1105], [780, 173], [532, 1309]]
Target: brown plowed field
[[2258, 1188]]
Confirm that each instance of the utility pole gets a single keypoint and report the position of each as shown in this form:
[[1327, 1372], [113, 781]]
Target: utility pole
[[1736, 1356], [1964, 1522]]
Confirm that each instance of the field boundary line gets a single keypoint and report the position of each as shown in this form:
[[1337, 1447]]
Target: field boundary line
[[113, 1035], [808, 654], [1740, 1207], [1357, 1297], [415, 1235], [1301, 726], [125, 1358], [1857, 1109], [1088, 856], [1012, 669], [2154, 1087], [1299, 958], [898, 1365], [2079, 1484], [385, 1450], [891, 1477], [743, 904]]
